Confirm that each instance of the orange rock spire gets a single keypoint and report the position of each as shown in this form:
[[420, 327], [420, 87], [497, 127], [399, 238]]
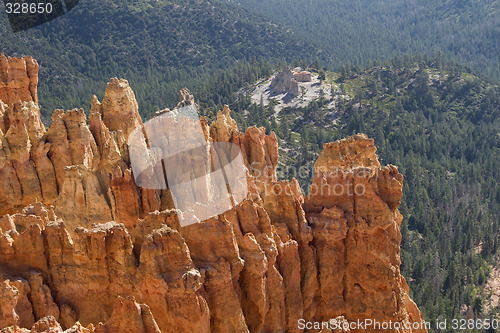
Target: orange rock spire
[[83, 249]]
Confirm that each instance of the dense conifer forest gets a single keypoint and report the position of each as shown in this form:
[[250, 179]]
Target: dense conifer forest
[[159, 46], [357, 31]]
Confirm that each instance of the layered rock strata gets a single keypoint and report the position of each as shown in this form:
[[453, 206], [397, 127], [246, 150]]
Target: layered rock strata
[[18, 79], [352, 210], [83, 249]]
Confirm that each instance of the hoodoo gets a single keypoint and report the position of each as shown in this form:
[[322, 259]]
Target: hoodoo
[[83, 249]]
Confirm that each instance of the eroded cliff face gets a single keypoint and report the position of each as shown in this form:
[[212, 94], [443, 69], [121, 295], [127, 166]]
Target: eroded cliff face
[[83, 249], [18, 79], [352, 210]]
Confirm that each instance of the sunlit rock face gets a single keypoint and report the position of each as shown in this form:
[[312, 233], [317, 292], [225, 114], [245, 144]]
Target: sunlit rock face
[[18, 79], [286, 82], [352, 210], [84, 249]]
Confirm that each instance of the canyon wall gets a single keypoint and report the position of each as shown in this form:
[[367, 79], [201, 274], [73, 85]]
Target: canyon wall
[[83, 249]]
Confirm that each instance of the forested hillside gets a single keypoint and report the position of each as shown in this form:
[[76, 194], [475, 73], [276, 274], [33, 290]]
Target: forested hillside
[[159, 46], [440, 125], [162, 46], [360, 30]]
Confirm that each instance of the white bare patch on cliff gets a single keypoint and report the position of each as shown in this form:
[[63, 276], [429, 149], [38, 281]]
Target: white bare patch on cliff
[[308, 92]]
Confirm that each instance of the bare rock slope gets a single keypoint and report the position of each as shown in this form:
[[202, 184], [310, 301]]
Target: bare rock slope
[[83, 249]]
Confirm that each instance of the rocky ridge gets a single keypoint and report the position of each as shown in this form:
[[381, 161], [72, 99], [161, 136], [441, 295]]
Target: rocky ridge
[[83, 249]]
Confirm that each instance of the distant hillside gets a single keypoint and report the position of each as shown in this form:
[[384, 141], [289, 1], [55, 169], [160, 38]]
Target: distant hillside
[[215, 47], [356, 31], [159, 46]]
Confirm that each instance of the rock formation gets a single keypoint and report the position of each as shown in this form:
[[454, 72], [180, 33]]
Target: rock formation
[[285, 82], [83, 249], [302, 76], [352, 210], [18, 79]]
